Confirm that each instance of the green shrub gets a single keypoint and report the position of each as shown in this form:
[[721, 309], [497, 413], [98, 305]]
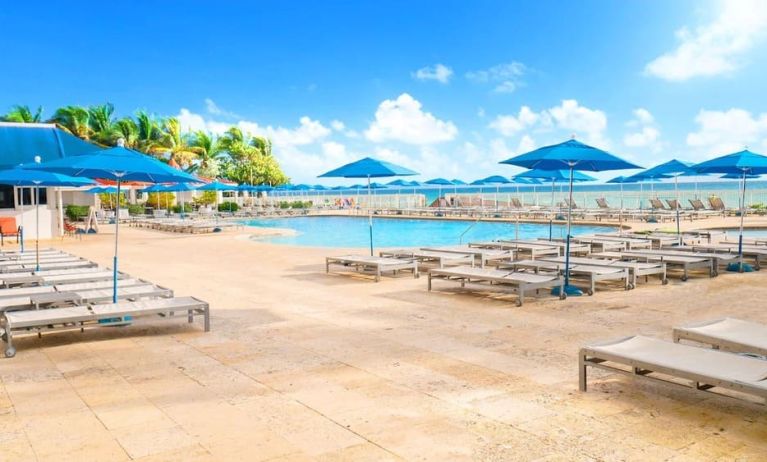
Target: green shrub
[[76, 212], [136, 209], [160, 200], [758, 206], [108, 200], [284, 205], [228, 207], [206, 198], [187, 208]]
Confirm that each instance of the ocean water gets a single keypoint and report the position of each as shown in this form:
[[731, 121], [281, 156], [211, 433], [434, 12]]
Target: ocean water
[[584, 195], [322, 231]]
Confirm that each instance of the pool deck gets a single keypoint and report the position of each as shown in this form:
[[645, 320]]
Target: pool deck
[[302, 366]]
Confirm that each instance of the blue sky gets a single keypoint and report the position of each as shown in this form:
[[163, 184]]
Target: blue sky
[[448, 88]]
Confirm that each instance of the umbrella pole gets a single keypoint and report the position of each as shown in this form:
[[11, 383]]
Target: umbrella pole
[[676, 194], [37, 228], [370, 219], [551, 212], [567, 289], [21, 238], [742, 213], [117, 232], [620, 213]]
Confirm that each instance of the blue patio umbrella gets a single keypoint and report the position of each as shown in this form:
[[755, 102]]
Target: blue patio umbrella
[[439, 183], [671, 169], [368, 167], [118, 164], [497, 180], [181, 187], [741, 163], [22, 176], [571, 155]]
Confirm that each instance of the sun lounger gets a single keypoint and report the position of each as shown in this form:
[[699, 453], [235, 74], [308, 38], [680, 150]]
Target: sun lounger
[[754, 252], [74, 287], [517, 282], [533, 249], [635, 268], [47, 266], [657, 204], [545, 244], [630, 243], [657, 241], [378, 265], [684, 262], [442, 259], [485, 256], [600, 244], [95, 316], [130, 293], [43, 259], [592, 273], [681, 365], [79, 277], [728, 334], [719, 258]]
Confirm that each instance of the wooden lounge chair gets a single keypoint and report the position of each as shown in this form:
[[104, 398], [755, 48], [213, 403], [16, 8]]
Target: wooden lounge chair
[[630, 243], [716, 203], [727, 334], [602, 203], [95, 316], [377, 264], [511, 281], [673, 204], [441, 259], [657, 204], [700, 369], [686, 263], [533, 249], [697, 205], [592, 273]]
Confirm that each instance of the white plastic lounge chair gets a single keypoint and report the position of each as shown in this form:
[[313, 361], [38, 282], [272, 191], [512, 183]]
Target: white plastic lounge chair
[[79, 277], [533, 249], [512, 281], [441, 259], [700, 369], [718, 258], [376, 264], [20, 268], [592, 273], [95, 316], [543, 247], [130, 293], [687, 263], [728, 334]]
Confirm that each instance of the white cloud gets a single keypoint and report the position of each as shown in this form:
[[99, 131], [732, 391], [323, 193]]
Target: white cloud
[[337, 125], [509, 125], [215, 109], [722, 132], [507, 77], [309, 131], [526, 144], [644, 134], [588, 124], [438, 72], [404, 120], [715, 48]]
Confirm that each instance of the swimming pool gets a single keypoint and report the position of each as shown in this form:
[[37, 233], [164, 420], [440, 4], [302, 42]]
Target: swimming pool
[[400, 232]]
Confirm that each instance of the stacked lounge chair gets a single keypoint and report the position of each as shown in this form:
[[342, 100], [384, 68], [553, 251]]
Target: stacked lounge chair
[[76, 298]]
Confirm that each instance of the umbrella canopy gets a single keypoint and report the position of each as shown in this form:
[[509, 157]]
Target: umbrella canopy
[[734, 176], [571, 155], [555, 176], [399, 182], [477, 183], [179, 187], [744, 163], [378, 186], [458, 182], [217, 186], [439, 182], [119, 164], [369, 168], [496, 179]]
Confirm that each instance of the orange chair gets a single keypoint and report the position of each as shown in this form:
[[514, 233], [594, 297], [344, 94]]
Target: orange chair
[[8, 228]]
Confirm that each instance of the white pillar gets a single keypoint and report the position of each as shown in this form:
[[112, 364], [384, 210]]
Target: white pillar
[[60, 205]]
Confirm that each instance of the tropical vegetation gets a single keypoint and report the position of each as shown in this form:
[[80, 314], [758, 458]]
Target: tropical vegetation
[[233, 155]]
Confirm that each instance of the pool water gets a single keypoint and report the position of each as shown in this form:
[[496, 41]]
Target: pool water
[[396, 232]]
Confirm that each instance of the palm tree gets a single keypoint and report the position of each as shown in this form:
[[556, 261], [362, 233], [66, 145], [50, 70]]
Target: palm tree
[[208, 152], [174, 143], [149, 135], [263, 144], [102, 124], [22, 114], [127, 129], [73, 119]]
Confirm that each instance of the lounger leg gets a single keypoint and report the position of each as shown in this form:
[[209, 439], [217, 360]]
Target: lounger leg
[[429, 282], [521, 299], [582, 373], [207, 318], [190, 316]]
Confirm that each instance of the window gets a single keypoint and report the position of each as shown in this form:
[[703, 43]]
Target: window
[[6, 197], [28, 193]]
